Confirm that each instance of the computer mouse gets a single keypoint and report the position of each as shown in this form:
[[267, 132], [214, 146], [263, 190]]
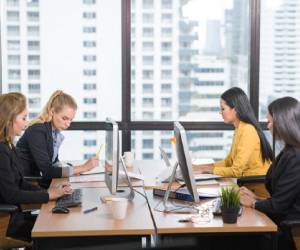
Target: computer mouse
[[60, 210]]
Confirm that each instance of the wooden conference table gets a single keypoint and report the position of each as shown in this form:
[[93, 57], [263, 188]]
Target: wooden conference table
[[76, 229]]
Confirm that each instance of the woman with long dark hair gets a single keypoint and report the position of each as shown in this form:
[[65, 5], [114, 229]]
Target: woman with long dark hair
[[283, 177], [250, 152]]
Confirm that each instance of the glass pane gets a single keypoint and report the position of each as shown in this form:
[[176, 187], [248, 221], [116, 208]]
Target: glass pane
[[202, 144], [84, 149], [70, 45], [279, 51], [184, 55]]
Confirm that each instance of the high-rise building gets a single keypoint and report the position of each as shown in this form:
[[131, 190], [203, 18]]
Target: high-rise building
[[161, 66], [280, 51], [49, 45]]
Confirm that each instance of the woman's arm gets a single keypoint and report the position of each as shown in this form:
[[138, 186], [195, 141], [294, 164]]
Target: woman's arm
[[38, 145], [245, 147], [10, 191], [286, 188]]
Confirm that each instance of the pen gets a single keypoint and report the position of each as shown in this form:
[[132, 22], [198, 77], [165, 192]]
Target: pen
[[90, 210], [98, 153]]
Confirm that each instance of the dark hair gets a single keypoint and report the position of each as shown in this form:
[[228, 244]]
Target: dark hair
[[285, 112], [237, 99]]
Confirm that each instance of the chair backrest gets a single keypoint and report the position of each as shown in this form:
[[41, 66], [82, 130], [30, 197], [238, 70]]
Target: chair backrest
[[256, 184], [7, 242]]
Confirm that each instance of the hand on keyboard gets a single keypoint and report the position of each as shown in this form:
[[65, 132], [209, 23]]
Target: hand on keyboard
[[70, 200], [59, 191]]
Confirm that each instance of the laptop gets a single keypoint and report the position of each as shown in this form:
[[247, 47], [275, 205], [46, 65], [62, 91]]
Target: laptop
[[166, 173]]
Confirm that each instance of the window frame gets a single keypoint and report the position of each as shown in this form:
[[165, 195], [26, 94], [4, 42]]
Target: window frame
[[126, 125]]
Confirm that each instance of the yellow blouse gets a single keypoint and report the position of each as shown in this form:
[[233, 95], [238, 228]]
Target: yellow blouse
[[244, 158]]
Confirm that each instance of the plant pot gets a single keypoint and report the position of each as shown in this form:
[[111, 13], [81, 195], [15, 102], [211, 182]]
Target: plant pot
[[229, 215]]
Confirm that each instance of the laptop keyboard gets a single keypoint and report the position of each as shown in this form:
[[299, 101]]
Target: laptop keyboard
[[70, 200]]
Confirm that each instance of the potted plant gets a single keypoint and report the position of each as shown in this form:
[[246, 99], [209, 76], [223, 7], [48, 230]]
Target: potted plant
[[230, 204]]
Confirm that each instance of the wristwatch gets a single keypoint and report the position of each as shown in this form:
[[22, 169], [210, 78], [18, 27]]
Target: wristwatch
[[253, 204]]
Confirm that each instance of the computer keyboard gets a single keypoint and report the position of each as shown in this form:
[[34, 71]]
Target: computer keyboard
[[70, 200]]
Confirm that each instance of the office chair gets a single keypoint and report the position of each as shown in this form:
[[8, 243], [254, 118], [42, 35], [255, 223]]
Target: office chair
[[35, 180], [256, 184], [8, 242], [294, 227]]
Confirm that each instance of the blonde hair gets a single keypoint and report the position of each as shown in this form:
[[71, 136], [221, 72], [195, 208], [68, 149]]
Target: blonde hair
[[57, 101], [11, 105]]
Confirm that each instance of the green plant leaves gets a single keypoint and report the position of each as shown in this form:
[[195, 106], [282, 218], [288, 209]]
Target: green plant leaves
[[230, 197]]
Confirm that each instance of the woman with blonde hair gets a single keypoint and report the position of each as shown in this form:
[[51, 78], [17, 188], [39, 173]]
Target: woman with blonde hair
[[40, 143], [13, 188]]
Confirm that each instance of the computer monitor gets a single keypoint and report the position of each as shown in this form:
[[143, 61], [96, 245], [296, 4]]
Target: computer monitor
[[113, 162], [111, 155], [184, 160]]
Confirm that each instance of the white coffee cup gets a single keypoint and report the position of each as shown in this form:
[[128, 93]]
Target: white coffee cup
[[128, 159], [119, 208]]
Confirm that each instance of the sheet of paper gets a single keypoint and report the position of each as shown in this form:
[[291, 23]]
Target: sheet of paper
[[86, 178], [96, 170], [208, 192], [132, 175], [198, 161]]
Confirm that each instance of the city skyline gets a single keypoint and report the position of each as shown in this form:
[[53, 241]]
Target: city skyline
[[181, 63]]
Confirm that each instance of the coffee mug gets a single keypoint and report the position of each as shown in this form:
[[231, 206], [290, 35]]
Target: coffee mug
[[128, 159], [119, 207]]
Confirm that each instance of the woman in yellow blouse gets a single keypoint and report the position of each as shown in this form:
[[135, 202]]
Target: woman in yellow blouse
[[250, 153]]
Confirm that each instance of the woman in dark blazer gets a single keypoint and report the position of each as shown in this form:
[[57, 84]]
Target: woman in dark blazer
[[283, 176], [13, 188], [41, 141]]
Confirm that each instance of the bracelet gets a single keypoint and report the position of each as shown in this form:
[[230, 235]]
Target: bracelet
[[253, 204]]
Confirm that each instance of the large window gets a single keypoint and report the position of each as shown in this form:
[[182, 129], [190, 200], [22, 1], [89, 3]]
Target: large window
[[73, 53], [201, 49], [186, 54], [79, 53], [279, 51], [202, 144], [176, 58]]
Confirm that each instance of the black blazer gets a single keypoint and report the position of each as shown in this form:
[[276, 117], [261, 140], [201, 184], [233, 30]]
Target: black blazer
[[13, 188], [283, 184], [35, 149]]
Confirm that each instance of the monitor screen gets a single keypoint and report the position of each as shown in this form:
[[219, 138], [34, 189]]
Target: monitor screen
[[111, 155], [184, 160]]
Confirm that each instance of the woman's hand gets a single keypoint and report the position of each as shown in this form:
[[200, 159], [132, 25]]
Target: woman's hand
[[88, 165], [247, 197], [59, 191], [246, 191], [203, 168]]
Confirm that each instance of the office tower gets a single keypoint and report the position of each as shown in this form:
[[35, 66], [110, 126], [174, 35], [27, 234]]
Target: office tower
[[49, 45], [237, 42], [161, 65], [280, 46], [213, 38]]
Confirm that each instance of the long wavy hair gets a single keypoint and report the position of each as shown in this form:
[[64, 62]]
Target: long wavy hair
[[57, 101], [285, 112], [11, 105], [236, 98]]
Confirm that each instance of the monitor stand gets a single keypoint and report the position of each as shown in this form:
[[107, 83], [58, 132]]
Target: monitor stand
[[124, 192], [176, 208]]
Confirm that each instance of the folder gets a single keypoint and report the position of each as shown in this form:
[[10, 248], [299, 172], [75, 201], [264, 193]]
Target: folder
[[183, 194]]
